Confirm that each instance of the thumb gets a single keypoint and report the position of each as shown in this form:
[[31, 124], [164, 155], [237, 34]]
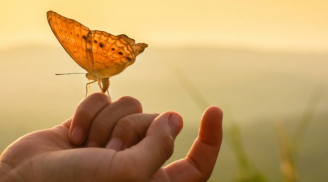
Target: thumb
[[157, 146]]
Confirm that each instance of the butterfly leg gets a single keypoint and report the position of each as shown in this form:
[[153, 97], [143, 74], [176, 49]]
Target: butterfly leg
[[102, 93], [86, 87], [99, 84], [89, 87], [109, 96], [108, 89]]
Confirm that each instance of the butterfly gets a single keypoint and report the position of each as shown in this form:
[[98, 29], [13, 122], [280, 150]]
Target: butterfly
[[101, 54]]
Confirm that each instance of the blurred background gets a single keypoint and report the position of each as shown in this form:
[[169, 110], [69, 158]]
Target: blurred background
[[263, 62]]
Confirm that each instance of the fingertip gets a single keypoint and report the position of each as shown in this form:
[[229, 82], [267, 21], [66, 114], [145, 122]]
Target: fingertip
[[214, 111], [98, 96], [211, 126], [175, 122], [173, 119], [76, 135], [212, 117]]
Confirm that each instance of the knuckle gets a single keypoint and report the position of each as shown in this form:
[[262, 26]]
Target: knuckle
[[85, 112], [124, 126], [100, 126], [99, 133], [127, 123], [133, 102]]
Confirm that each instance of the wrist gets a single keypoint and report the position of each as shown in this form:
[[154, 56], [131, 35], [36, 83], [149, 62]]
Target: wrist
[[7, 174]]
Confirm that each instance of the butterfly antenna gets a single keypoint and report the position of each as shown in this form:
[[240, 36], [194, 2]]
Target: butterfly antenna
[[69, 73]]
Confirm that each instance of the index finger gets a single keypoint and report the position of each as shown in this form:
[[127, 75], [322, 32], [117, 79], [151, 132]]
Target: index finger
[[85, 113]]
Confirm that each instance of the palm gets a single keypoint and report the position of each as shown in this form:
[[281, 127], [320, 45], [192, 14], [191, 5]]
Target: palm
[[49, 140], [39, 143], [53, 148]]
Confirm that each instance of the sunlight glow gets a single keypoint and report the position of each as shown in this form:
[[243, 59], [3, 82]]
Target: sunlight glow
[[272, 24]]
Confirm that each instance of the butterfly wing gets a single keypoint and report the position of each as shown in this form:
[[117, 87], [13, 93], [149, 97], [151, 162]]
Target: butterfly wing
[[73, 36], [139, 48], [111, 54]]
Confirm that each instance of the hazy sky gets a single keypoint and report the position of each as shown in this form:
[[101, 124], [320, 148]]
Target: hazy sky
[[280, 24]]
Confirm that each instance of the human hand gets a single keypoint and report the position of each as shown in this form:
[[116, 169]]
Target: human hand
[[45, 155]]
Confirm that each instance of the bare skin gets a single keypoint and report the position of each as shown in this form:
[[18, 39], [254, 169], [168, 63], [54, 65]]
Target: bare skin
[[114, 142]]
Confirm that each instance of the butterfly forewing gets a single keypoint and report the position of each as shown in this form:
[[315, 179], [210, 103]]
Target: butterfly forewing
[[72, 35]]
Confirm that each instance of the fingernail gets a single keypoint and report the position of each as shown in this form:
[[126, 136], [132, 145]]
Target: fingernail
[[175, 122], [115, 144], [77, 134]]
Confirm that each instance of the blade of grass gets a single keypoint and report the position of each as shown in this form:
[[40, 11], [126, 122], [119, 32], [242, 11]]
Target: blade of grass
[[192, 90], [308, 114], [287, 165]]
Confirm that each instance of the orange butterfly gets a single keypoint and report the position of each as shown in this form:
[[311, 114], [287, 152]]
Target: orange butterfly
[[101, 54]]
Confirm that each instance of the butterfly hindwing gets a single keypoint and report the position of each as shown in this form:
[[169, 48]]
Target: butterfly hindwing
[[127, 39], [72, 36], [139, 48], [111, 54]]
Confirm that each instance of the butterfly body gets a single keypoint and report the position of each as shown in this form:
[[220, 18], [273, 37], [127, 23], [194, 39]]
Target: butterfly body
[[101, 54]]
